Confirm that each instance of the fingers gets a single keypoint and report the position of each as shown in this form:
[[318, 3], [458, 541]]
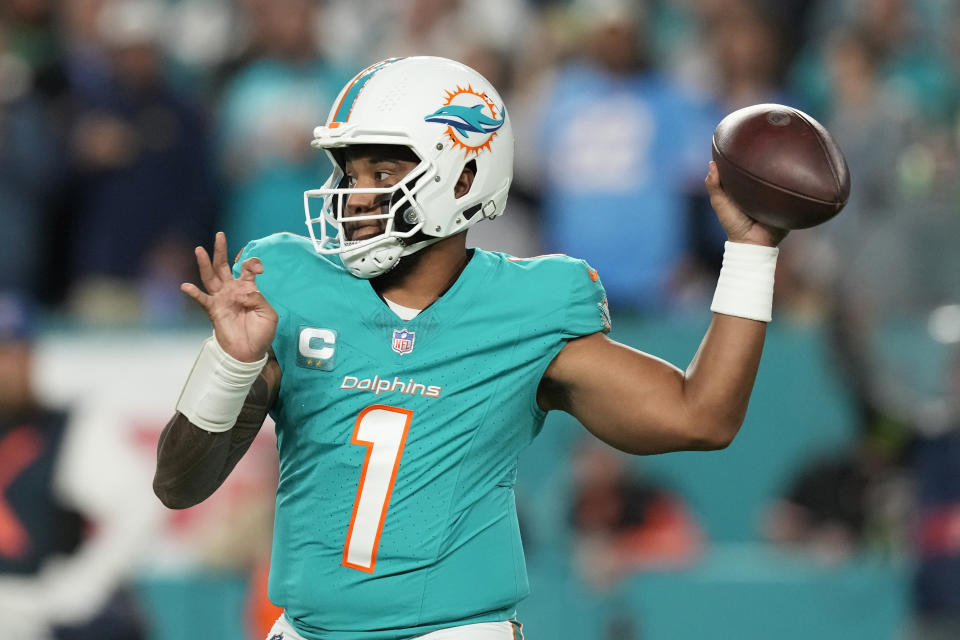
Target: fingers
[[220, 264], [214, 272], [250, 269], [718, 198], [713, 176], [255, 301], [712, 181], [191, 290], [738, 225], [734, 221], [210, 279]]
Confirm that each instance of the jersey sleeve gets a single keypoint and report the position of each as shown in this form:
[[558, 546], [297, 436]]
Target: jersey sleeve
[[280, 253], [248, 251], [587, 310]]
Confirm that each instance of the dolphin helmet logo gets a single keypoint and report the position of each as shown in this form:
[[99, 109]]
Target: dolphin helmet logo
[[465, 120], [471, 118]]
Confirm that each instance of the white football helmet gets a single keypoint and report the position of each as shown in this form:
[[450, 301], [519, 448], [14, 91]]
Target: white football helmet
[[449, 116]]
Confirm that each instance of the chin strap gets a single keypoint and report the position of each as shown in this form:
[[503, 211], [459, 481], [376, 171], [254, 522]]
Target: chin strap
[[373, 260], [380, 258]]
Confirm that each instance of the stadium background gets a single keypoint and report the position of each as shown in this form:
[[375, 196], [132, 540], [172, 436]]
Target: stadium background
[[104, 191]]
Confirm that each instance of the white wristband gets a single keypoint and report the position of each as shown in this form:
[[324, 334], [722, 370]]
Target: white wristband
[[745, 285], [217, 387]]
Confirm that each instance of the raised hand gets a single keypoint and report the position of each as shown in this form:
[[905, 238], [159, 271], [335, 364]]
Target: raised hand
[[738, 225], [243, 321]]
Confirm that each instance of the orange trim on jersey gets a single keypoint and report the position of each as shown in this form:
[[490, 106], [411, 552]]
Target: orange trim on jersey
[[593, 274], [363, 476]]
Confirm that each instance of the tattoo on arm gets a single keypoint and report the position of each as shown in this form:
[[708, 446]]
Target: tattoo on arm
[[193, 462]]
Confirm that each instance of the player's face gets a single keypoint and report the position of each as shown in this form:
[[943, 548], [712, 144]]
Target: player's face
[[365, 171]]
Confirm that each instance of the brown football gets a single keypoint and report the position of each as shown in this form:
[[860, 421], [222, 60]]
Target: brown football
[[780, 166]]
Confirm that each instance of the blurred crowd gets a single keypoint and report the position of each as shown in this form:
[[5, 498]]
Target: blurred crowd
[[131, 130]]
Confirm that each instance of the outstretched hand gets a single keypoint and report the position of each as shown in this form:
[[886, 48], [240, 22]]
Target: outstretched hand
[[243, 321], [738, 225]]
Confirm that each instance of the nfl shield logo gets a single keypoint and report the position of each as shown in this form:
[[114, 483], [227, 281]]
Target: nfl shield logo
[[403, 341]]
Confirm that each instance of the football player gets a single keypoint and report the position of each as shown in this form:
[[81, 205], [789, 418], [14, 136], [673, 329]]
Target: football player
[[406, 372]]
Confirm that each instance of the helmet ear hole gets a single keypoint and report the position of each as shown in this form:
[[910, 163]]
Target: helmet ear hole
[[465, 181]]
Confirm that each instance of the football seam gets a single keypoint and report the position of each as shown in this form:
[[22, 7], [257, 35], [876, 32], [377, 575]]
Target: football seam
[[770, 184], [826, 155]]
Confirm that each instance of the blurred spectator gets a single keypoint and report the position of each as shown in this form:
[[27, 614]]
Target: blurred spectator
[[888, 255], [207, 40], [748, 55], [32, 32], [82, 67], [267, 114], [624, 523], [742, 65], [370, 30], [623, 148], [909, 62], [734, 49], [422, 27], [87, 66], [67, 536], [824, 511], [793, 21], [911, 59], [840, 505], [937, 463], [871, 124], [516, 233], [27, 173], [141, 197]]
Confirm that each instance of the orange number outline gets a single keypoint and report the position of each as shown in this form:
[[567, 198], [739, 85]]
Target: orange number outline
[[355, 439]]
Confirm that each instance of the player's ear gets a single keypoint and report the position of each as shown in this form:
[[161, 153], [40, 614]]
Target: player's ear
[[465, 181]]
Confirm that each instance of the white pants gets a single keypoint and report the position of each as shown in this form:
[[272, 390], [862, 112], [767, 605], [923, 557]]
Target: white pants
[[283, 630]]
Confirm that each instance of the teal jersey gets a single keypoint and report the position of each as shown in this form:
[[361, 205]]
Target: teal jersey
[[398, 440]]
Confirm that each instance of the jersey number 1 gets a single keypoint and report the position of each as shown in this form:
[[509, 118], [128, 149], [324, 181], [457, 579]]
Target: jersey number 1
[[383, 431]]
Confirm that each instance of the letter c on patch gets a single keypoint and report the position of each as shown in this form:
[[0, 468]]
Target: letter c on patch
[[318, 344]]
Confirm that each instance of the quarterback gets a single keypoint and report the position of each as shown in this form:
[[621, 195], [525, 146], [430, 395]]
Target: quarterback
[[406, 372]]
